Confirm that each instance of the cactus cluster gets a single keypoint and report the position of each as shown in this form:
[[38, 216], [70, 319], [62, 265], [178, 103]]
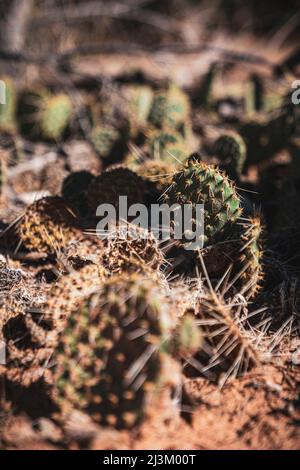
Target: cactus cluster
[[32, 333], [110, 323]]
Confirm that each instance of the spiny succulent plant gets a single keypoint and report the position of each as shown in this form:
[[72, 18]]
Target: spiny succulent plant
[[228, 348], [47, 225], [250, 257], [170, 108], [108, 141], [167, 145], [130, 248], [74, 191], [204, 93], [110, 359], [41, 113], [16, 291], [138, 105], [187, 337], [200, 183], [31, 335], [230, 148], [158, 172], [86, 249], [8, 109], [56, 115], [115, 182]]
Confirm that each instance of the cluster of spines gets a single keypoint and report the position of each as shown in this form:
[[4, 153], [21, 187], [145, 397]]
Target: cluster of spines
[[228, 348]]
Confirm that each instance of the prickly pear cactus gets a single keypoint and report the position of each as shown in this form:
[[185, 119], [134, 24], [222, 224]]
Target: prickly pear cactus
[[113, 183], [250, 257], [56, 115], [47, 225], [187, 337], [170, 108], [230, 148], [130, 248], [74, 191], [105, 140], [31, 335], [200, 183], [42, 114], [110, 360], [204, 94], [8, 109], [84, 250], [167, 145], [138, 105], [158, 172]]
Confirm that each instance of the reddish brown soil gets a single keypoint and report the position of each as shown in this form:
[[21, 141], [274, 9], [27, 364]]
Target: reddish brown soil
[[259, 411]]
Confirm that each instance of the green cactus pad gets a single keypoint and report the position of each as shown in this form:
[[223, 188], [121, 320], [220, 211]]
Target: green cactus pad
[[167, 145], [107, 141], [170, 108], [111, 355], [42, 114], [200, 183]]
